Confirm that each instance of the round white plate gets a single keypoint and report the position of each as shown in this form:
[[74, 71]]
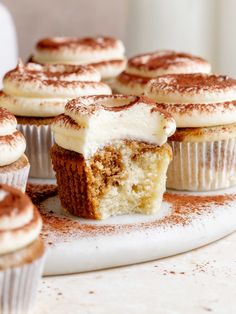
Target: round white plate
[[185, 221]]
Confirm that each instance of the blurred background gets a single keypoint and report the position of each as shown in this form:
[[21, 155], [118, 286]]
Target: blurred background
[[201, 27]]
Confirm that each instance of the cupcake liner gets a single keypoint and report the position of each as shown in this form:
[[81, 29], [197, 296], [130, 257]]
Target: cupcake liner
[[202, 166], [18, 287], [16, 178], [39, 139]]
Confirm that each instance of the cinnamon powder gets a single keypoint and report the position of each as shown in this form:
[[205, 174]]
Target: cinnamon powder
[[62, 227]]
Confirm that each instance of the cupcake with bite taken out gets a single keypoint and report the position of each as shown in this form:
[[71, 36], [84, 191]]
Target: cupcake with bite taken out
[[111, 155], [22, 252], [36, 94]]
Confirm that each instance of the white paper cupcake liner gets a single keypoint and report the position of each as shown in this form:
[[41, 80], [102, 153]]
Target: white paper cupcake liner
[[202, 166], [18, 287], [17, 178], [39, 140]]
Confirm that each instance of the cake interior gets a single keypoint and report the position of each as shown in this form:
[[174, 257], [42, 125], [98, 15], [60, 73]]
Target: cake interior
[[122, 178]]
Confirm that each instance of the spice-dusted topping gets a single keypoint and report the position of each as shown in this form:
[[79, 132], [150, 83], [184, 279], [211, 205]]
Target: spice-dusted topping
[[141, 68], [87, 43], [105, 53], [42, 91], [195, 100], [96, 121], [12, 142], [20, 222], [166, 61]]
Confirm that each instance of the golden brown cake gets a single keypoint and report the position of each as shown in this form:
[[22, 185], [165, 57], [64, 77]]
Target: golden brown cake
[[111, 157]]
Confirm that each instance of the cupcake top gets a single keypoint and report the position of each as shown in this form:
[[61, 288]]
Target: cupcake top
[[20, 222], [104, 53], [195, 100], [42, 90], [12, 142], [142, 67], [166, 62], [90, 123]]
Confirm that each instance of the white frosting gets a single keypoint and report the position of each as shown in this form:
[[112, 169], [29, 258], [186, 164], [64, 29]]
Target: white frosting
[[194, 105], [153, 64], [80, 51], [132, 86], [42, 91], [33, 107], [88, 124], [12, 142], [20, 223], [173, 62], [110, 69]]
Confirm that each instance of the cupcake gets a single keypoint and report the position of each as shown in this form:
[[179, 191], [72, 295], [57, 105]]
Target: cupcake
[[14, 165], [21, 251], [141, 68], [111, 155], [204, 145], [36, 94], [106, 54]]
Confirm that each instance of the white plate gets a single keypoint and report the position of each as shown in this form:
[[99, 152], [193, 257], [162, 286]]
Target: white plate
[[186, 221]]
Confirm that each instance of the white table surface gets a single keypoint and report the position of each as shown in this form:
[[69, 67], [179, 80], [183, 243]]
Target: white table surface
[[200, 281]]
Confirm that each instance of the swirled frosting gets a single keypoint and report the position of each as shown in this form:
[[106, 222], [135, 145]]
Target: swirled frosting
[[20, 222], [195, 100], [90, 123], [42, 90], [106, 54], [12, 142], [141, 68]]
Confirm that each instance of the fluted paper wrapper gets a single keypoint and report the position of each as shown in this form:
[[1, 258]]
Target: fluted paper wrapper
[[18, 287], [39, 139], [16, 178], [202, 166]]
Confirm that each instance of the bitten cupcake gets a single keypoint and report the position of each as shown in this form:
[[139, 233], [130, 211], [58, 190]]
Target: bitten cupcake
[[106, 54], [111, 155], [22, 252], [204, 145], [36, 94], [14, 165], [141, 68]]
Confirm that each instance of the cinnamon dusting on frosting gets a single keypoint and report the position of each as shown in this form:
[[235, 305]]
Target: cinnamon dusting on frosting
[[164, 60], [192, 83], [86, 43]]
